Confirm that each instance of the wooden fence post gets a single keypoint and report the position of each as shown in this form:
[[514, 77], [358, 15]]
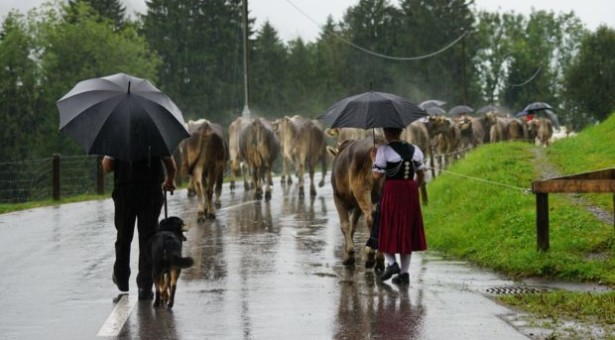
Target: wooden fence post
[[542, 221], [100, 177], [55, 176]]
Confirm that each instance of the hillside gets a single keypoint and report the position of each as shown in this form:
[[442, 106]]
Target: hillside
[[482, 210]]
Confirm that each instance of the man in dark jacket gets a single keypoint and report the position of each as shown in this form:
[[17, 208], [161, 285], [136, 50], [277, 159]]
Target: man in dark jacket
[[137, 196]]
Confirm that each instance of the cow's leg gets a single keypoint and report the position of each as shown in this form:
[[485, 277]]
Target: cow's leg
[[247, 173], [197, 177], [218, 191], [364, 200], [209, 194], [312, 185], [300, 173], [256, 179], [233, 173], [269, 183], [323, 166], [346, 228], [284, 170]]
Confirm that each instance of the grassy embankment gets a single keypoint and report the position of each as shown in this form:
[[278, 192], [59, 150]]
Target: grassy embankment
[[480, 212]]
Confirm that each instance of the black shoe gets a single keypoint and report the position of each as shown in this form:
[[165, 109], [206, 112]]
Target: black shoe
[[145, 294], [122, 286], [390, 271], [402, 279]]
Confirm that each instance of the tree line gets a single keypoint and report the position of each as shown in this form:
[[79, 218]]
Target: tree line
[[193, 51]]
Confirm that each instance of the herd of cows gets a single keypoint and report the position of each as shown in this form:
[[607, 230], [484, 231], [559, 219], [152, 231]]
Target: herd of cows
[[250, 147]]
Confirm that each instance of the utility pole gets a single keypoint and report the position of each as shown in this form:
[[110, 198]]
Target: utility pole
[[246, 108], [463, 63]]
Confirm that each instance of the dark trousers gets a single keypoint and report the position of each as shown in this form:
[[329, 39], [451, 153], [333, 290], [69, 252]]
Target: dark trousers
[[140, 203]]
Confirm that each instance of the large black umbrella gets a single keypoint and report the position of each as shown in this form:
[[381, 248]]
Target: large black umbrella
[[538, 106], [435, 110], [121, 116], [489, 108], [431, 103], [372, 110], [460, 110]]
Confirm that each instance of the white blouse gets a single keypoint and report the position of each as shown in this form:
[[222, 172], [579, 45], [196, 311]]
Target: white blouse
[[385, 154]]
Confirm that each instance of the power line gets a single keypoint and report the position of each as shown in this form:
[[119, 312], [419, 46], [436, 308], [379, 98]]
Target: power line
[[529, 80], [380, 55]]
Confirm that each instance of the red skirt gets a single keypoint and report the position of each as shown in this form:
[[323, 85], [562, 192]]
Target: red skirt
[[401, 221]]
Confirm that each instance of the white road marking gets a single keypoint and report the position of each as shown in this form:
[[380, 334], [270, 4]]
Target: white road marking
[[237, 205], [115, 322]]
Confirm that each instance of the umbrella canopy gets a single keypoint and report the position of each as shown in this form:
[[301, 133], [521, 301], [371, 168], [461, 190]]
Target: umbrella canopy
[[537, 106], [489, 108], [122, 116], [460, 110], [435, 110], [431, 103], [372, 110]]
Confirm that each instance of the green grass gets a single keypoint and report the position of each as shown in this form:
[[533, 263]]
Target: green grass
[[11, 207], [481, 211]]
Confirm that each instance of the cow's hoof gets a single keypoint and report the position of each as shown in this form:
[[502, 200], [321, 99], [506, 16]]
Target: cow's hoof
[[200, 217], [218, 205], [379, 265], [191, 193], [211, 216], [301, 193], [258, 196], [289, 182], [268, 195], [349, 261], [371, 261], [321, 184], [313, 192]]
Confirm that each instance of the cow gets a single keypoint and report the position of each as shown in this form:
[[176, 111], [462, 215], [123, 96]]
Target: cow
[[259, 147], [235, 162], [310, 148], [514, 129], [181, 154], [497, 127], [206, 156], [354, 191], [343, 134], [286, 128], [446, 137], [471, 132], [416, 133], [544, 130]]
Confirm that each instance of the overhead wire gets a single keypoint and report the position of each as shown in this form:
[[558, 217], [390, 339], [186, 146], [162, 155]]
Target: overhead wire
[[380, 55], [528, 80]]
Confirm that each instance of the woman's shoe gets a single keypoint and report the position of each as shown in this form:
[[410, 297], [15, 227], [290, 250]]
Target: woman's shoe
[[402, 279], [390, 271]]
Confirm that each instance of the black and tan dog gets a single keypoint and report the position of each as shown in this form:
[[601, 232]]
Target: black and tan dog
[[167, 260]]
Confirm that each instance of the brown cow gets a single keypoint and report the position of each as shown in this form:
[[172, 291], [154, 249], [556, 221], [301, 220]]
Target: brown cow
[[259, 147], [207, 155], [287, 128], [515, 129], [497, 128], [544, 130], [354, 190], [310, 149], [235, 162], [416, 133], [343, 134], [446, 137]]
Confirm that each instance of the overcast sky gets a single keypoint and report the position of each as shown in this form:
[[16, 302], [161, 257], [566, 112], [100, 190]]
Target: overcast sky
[[293, 18]]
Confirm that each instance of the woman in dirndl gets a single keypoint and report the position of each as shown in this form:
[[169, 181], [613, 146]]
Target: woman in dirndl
[[401, 228]]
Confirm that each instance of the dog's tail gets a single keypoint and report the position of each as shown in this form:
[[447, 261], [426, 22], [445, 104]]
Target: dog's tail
[[182, 262]]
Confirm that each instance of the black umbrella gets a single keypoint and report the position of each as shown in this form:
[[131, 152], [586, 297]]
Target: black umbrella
[[121, 116], [538, 106], [489, 108], [435, 110], [460, 110], [431, 103], [372, 110]]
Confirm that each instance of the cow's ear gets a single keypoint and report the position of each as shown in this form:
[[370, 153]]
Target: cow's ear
[[333, 151]]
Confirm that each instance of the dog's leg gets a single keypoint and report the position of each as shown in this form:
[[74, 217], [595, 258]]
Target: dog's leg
[[158, 285], [173, 276]]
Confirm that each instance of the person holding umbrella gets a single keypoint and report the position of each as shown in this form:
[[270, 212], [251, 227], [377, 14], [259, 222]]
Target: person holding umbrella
[[137, 128], [137, 196], [401, 229]]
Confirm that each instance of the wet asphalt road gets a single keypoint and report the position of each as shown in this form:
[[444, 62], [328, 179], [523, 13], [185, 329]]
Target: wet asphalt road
[[263, 270]]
